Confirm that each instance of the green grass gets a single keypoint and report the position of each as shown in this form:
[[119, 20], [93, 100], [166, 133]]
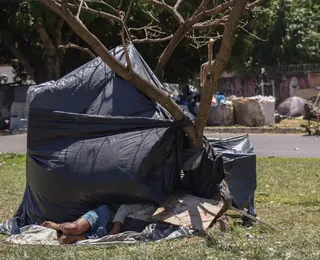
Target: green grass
[[291, 123], [287, 197]]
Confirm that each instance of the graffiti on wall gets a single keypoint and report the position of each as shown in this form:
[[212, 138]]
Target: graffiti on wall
[[289, 85], [240, 86], [285, 86]]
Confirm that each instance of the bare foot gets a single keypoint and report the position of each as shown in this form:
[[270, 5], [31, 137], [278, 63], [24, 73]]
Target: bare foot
[[114, 232], [50, 224], [116, 229]]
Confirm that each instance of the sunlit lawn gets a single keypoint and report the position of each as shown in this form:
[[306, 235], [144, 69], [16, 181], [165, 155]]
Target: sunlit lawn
[[288, 197]]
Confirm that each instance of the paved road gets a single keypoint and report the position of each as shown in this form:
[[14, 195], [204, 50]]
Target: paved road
[[283, 145], [13, 143], [278, 145]]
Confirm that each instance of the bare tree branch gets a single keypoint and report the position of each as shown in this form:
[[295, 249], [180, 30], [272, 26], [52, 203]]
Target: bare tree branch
[[158, 40], [178, 17], [93, 11], [79, 9], [242, 27], [77, 47], [104, 3], [176, 6], [202, 7], [151, 15], [218, 9], [195, 21], [200, 41], [152, 34], [120, 5], [254, 4], [125, 20], [210, 23]]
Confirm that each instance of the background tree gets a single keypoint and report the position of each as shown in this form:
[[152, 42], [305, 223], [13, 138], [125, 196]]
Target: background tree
[[34, 41], [22, 47], [282, 32]]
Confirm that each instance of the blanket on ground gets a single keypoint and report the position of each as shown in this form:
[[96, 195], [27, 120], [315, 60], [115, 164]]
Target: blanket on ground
[[39, 235]]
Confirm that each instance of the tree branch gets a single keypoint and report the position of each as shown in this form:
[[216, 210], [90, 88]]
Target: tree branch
[[194, 23], [104, 3], [209, 24], [254, 4], [93, 11], [202, 7], [158, 40], [218, 9], [152, 34], [79, 9], [211, 82], [200, 41], [176, 15], [77, 47], [126, 17], [176, 6], [141, 84]]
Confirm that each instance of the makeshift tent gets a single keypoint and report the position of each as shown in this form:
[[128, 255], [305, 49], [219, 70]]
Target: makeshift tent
[[292, 107], [94, 139]]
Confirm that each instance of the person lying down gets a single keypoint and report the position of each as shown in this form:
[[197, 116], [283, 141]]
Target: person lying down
[[94, 224]]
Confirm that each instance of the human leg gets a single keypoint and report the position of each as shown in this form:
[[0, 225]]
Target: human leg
[[74, 228]]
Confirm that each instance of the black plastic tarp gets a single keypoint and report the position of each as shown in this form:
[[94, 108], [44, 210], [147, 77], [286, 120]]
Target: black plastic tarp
[[203, 171], [94, 139], [239, 161]]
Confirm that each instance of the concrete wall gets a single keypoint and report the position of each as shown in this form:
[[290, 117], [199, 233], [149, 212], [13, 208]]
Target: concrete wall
[[285, 85]]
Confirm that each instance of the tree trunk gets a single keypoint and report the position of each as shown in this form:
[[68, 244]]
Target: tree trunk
[[53, 66], [50, 69], [211, 82]]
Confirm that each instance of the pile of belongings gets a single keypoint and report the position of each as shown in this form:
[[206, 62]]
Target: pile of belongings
[[311, 111], [94, 139], [312, 105], [292, 107], [254, 111]]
